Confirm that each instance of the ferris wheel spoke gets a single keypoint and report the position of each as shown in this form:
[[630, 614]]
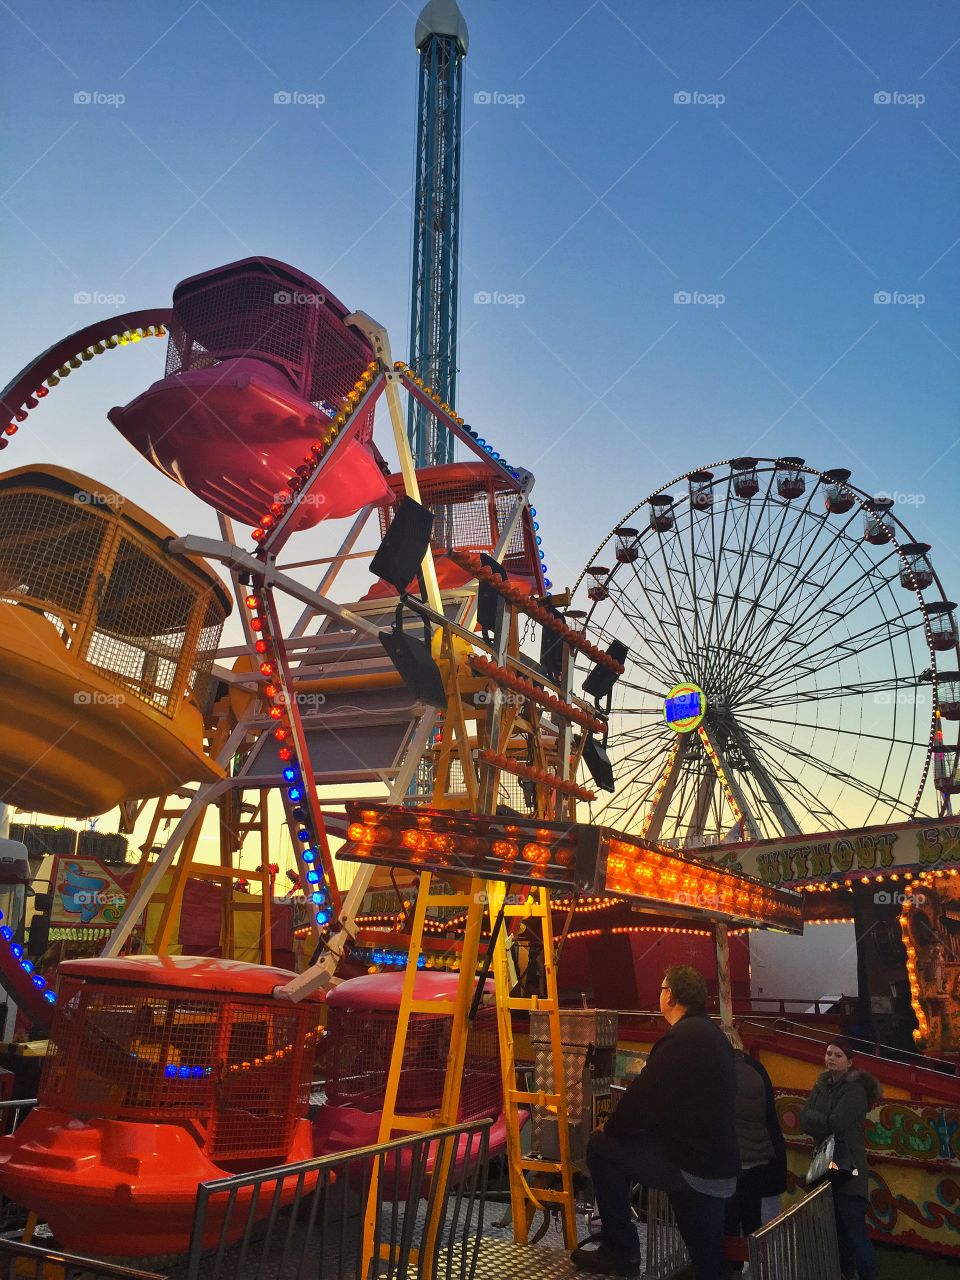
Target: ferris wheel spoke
[[714, 599], [806, 799], [865, 788], [799, 698], [816, 662], [830, 562], [774, 564], [853, 733], [851, 647], [663, 643], [843, 602], [746, 555], [666, 640]]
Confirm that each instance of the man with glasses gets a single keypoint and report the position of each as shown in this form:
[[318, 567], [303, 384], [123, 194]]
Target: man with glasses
[[673, 1129]]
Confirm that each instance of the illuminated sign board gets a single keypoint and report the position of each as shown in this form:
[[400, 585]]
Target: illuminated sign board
[[597, 860], [684, 707]]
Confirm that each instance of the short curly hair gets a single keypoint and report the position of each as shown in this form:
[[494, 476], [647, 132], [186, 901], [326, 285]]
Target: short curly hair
[[687, 986]]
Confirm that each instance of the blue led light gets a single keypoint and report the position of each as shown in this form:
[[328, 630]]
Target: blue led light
[[6, 933], [39, 982], [539, 541], [170, 1071], [294, 794], [535, 525], [304, 835], [547, 583], [481, 441], [318, 897], [50, 997], [539, 553], [533, 511], [323, 917], [197, 1072], [184, 1073], [17, 950], [378, 957], [421, 962], [309, 855], [26, 966], [313, 877], [289, 775]]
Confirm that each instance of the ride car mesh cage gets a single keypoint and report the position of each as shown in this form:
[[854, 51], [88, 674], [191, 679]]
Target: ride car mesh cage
[[358, 1048], [250, 310], [239, 1069], [141, 621], [48, 549], [470, 506]]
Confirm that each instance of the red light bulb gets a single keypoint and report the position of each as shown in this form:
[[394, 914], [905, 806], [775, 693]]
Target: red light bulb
[[261, 646]]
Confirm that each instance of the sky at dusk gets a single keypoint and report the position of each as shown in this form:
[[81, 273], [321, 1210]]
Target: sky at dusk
[[689, 231]]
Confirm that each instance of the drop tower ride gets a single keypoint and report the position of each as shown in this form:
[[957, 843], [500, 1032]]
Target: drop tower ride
[[441, 40]]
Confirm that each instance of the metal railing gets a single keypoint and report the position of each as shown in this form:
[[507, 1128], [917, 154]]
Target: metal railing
[[800, 1243], [666, 1253], [307, 1219], [30, 1262]]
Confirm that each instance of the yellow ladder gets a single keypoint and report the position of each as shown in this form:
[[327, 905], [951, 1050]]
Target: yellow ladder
[[525, 1195], [530, 1176]]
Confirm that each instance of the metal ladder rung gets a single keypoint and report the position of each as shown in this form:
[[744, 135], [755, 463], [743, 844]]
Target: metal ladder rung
[[534, 1099], [531, 1005], [449, 900], [445, 1007], [414, 1124]]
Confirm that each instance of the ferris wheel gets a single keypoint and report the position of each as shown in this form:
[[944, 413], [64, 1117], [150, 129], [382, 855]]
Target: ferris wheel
[[793, 660]]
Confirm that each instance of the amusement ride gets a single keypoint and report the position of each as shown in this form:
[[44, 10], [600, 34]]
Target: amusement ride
[[768, 657]]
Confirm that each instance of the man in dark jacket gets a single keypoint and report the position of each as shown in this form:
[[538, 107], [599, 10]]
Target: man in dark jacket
[[674, 1129]]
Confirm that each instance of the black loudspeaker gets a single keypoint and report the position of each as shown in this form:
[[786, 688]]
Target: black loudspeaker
[[404, 545], [598, 762], [490, 603], [414, 661], [602, 678]]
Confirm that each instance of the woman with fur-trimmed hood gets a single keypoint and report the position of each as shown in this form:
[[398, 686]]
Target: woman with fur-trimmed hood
[[838, 1105]]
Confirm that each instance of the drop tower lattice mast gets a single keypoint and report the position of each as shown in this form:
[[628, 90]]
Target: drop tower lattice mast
[[441, 39]]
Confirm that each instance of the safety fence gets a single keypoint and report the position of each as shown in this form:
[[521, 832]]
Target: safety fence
[[31, 1262], [423, 1221], [799, 1244]]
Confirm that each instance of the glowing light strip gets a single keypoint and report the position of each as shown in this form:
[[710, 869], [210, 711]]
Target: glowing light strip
[[718, 767], [664, 778], [124, 339]]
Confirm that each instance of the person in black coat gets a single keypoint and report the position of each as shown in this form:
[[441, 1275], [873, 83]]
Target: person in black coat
[[838, 1105], [673, 1129], [763, 1151]]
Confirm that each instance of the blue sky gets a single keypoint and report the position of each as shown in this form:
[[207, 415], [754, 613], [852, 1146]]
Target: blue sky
[[780, 164], [596, 198]]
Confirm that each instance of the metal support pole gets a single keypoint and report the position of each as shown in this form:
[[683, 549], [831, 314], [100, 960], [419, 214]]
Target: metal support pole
[[724, 986]]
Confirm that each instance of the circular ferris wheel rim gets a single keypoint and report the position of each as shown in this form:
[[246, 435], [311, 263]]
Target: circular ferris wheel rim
[[900, 538]]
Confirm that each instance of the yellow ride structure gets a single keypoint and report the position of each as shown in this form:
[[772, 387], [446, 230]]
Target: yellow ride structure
[[107, 641]]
